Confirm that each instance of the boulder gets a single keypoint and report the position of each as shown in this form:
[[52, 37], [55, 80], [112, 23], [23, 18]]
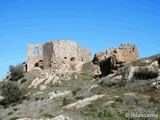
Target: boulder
[[99, 57], [61, 117], [153, 66], [2, 98], [129, 73], [116, 79], [108, 103], [82, 103], [57, 94]]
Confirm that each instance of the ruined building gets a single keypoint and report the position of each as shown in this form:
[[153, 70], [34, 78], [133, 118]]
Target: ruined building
[[115, 58], [62, 49]]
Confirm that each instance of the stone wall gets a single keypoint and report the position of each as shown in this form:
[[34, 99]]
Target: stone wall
[[66, 49], [47, 54], [86, 55], [58, 49], [125, 53], [32, 56]]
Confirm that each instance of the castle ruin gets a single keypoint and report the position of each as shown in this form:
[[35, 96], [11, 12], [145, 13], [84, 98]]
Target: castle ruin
[[61, 49], [125, 53], [114, 58]]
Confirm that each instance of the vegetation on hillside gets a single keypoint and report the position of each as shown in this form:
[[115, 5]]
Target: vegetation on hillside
[[12, 92], [16, 72], [145, 74]]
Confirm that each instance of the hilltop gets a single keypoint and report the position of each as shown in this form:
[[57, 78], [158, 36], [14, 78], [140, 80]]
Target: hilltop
[[63, 82]]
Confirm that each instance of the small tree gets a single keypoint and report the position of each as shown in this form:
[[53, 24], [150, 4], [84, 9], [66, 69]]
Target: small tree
[[16, 72], [12, 93]]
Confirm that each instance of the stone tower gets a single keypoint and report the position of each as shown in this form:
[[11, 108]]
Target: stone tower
[[34, 57]]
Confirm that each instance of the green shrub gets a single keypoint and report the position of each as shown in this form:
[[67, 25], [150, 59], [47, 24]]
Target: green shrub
[[47, 115], [107, 114], [145, 74], [24, 80], [122, 115], [12, 93], [119, 99], [100, 114], [74, 92], [90, 110], [79, 98], [10, 113], [54, 85], [28, 97], [113, 105], [65, 101], [14, 118], [16, 72], [154, 100]]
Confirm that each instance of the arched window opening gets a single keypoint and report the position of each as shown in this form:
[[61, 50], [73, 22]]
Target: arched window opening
[[36, 51]]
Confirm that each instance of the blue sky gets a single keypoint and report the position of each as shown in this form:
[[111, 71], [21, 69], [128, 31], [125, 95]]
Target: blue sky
[[95, 24]]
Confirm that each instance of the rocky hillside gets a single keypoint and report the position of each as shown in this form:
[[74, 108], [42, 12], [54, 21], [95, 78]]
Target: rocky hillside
[[77, 93]]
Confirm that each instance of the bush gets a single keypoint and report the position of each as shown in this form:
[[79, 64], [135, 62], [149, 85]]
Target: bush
[[14, 118], [24, 80], [12, 93], [74, 92], [154, 100], [90, 111], [54, 85], [16, 72], [79, 97], [47, 115], [113, 105], [107, 114], [100, 114], [65, 102], [145, 74]]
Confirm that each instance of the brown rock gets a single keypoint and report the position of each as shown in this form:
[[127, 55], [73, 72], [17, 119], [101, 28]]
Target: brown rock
[[99, 57], [115, 58]]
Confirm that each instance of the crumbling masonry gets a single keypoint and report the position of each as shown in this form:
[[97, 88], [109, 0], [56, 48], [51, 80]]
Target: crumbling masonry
[[115, 58], [62, 49]]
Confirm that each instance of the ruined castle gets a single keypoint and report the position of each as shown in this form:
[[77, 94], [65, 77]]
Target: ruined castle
[[114, 58], [61, 49]]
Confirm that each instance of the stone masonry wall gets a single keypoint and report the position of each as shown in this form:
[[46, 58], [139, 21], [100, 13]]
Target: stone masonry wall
[[57, 49], [47, 54], [86, 54], [32, 57], [125, 53]]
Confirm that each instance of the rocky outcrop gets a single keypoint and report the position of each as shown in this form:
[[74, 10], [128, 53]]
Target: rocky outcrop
[[82, 103], [129, 73], [58, 94], [60, 117], [2, 98], [115, 58], [59, 70]]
